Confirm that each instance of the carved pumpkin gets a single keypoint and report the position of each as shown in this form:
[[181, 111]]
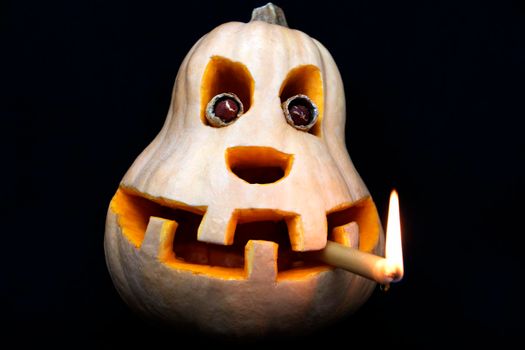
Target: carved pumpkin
[[249, 170]]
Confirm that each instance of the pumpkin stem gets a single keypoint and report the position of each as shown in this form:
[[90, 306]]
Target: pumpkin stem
[[269, 13]]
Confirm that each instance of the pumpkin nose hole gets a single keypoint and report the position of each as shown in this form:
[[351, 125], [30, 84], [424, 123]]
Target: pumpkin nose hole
[[258, 165]]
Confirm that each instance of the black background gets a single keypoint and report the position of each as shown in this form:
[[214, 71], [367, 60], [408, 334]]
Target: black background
[[434, 99]]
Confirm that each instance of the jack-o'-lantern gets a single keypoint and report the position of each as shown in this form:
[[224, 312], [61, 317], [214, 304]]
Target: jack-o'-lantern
[[208, 227]]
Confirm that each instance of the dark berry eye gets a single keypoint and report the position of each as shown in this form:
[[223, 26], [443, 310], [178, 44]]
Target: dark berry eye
[[300, 112], [223, 109]]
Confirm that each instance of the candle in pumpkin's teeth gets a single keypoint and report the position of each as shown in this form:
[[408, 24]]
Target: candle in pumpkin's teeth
[[382, 270]]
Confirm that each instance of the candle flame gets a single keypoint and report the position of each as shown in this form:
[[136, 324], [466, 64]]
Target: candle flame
[[394, 249]]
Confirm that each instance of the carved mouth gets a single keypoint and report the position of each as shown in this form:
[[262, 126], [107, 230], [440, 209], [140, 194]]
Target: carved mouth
[[177, 225]]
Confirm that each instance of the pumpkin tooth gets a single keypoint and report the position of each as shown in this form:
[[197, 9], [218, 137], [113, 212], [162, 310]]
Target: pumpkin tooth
[[304, 231], [260, 260], [158, 239], [347, 235], [218, 226]]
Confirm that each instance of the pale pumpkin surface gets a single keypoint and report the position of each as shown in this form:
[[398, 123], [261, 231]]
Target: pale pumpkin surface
[[190, 166]]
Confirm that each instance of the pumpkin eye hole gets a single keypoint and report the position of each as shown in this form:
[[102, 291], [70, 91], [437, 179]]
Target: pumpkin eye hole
[[224, 109], [300, 112]]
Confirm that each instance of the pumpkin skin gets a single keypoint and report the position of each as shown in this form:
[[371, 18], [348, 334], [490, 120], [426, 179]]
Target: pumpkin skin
[[187, 172]]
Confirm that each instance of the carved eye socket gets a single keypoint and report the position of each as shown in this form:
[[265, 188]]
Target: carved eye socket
[[300, 112], [223, 109]]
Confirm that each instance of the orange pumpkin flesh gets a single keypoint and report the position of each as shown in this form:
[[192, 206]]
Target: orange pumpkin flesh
[[305, 80], [223, 75]]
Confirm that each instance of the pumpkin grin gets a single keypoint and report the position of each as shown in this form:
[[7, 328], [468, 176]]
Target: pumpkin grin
[[169, 230]]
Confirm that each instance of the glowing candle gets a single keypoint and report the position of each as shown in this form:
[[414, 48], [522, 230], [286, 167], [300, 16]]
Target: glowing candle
[[393, 246], [382, 270]]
